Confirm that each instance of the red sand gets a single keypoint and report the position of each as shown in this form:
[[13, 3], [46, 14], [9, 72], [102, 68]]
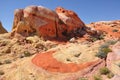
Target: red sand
[[46, 61]]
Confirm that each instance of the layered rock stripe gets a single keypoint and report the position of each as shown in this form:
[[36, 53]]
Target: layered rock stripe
[[45, 22], [48, 62], [66, 59]]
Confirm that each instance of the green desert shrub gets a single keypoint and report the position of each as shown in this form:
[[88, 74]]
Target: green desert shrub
[[104, 49], [110, 75], [7, 61], [101, 37], [115, 30], [97, 77], [83, 78], [27, 53], [97, 38], [102, 53], [93, 39], [107, 72], [104, 71]]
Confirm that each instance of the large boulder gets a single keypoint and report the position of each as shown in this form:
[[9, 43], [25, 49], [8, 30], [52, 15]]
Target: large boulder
[[35, 19], [46, 23], [2, 29], [70, 18]]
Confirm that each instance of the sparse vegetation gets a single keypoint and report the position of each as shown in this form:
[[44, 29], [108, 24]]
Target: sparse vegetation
[[1, 72], [104, 49], [104, 71], [110, 75], [115, 30], [97, 77], [27, 54], [111, 42], [97, 38], [7, 61], [107, 72], [83, 78], [103, 52], [101, 37], [93, 39]]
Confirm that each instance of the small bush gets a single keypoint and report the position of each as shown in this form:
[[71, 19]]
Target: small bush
[[92, 38], [110, 75], [82, 78], [1, 72], [97, 77], [101, 37], [102, 53], [7, 61], [111, 42], [104, 49], [115, 30], [104, 71], [27, 54]]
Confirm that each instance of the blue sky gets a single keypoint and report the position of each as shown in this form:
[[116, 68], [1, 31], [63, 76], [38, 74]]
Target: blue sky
[[88, 10]]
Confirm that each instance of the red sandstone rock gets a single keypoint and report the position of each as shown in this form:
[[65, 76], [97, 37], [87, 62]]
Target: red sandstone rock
[[70, 18], [46, 61], [46, 23], [109, 28], [35, 19]]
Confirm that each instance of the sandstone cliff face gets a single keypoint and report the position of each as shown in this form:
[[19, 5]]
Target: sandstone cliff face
[[2, 30], [46, 23]]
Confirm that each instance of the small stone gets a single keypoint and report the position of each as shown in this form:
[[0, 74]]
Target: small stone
[[72, 40]]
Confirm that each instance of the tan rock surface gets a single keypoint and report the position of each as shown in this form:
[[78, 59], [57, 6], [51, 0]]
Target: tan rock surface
[[22, 68], [113, 59]]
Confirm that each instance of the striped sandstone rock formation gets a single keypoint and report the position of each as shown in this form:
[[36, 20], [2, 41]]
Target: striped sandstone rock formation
[[46, 23]]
